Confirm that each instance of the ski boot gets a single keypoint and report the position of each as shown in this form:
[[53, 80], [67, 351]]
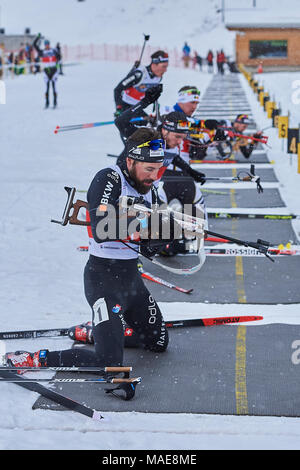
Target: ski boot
[[27, 359], [55, 101], [82, 333]]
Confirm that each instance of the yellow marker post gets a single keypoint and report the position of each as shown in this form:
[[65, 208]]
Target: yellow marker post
[[261, 98], [270, 105], [283, 125]]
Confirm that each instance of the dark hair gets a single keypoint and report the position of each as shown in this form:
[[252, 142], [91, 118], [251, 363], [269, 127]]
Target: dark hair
[[159, 56], [143, 135], [187, 87]]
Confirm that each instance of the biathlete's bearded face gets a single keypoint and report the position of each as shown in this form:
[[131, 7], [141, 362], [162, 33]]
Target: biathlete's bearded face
[[173, 139], [143, 174], [159, 69], [189, 108], [239, 127]]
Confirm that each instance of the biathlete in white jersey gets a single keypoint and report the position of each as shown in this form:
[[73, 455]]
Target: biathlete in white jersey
[[49, 57], [131, 90], [123, 310]]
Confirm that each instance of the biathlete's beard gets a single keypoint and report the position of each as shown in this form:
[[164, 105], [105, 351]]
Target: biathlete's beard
[[142, 186]]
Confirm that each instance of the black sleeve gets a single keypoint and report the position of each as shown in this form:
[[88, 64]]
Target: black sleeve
[[123, 123], [35, 44], [180, 163], [130, 80], [187, 169]]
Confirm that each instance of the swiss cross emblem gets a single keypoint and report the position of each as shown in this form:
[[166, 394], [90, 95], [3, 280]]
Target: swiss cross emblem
[[128, 332]]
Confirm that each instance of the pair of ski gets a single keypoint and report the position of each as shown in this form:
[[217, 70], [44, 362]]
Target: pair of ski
[[60, 332], [128, 385]]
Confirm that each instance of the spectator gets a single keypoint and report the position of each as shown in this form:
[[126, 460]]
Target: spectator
[[221, 61], [209, 59], [186, 54]]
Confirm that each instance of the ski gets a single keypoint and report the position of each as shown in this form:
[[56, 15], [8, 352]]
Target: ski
[[50, 394], [51, 333], [160, 281], [97, 370], [221, 161], [212, 321], [81, 126], [221, 250], [232, 215], [111, 380]]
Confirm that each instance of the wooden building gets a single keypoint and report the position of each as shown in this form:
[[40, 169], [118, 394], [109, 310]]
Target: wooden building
[[275, 46]]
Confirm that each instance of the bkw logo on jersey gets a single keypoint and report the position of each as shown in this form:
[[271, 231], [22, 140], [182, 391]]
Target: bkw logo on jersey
[[2, 92]]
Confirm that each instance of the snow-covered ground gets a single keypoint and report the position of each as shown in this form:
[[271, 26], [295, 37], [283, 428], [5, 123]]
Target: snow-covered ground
[[284, 88], [41, 275]]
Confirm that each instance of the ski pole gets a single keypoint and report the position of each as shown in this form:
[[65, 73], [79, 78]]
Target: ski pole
[[81, 126]]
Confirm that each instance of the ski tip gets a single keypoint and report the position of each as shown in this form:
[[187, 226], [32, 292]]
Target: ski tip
[[56, 131], [97, 416]]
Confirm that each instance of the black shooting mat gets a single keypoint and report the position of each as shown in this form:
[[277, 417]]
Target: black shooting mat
[[239, 158], [244, 198], [200, 373]]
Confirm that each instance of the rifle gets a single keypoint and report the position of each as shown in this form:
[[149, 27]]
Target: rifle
[[192, 226]]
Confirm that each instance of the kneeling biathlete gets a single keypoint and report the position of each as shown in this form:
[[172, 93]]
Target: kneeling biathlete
[[119, 300]]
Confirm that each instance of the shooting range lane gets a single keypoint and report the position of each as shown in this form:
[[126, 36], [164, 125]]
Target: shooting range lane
[[242, 370]]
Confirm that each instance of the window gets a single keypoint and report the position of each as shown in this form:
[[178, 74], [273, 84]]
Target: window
[[268, 49]]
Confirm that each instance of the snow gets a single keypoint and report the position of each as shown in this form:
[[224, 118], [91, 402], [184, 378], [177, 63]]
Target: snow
[[170, 23], [41, 275], [284, 89]]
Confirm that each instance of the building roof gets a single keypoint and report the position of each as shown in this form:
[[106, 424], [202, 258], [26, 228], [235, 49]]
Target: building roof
[[267, 14], [246, 25]]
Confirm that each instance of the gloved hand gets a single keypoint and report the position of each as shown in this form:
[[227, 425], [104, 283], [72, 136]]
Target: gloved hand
[[151, 95], [211, 124], [198, 176], [257, 135], [197, 152], [118, 111]]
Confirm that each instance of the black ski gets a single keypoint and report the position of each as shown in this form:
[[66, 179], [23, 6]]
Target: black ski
[[56, 397], [228, 215], [33, 334]]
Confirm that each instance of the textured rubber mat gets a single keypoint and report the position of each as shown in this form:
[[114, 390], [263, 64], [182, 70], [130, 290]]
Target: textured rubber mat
[[243, 198], [219, 370]]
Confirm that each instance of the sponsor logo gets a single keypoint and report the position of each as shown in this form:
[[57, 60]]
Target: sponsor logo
[[107, 193], [128, 332], [114, 175], [117, 308]]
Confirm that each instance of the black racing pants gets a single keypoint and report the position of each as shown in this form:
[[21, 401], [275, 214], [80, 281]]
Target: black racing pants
[[109, 284]]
